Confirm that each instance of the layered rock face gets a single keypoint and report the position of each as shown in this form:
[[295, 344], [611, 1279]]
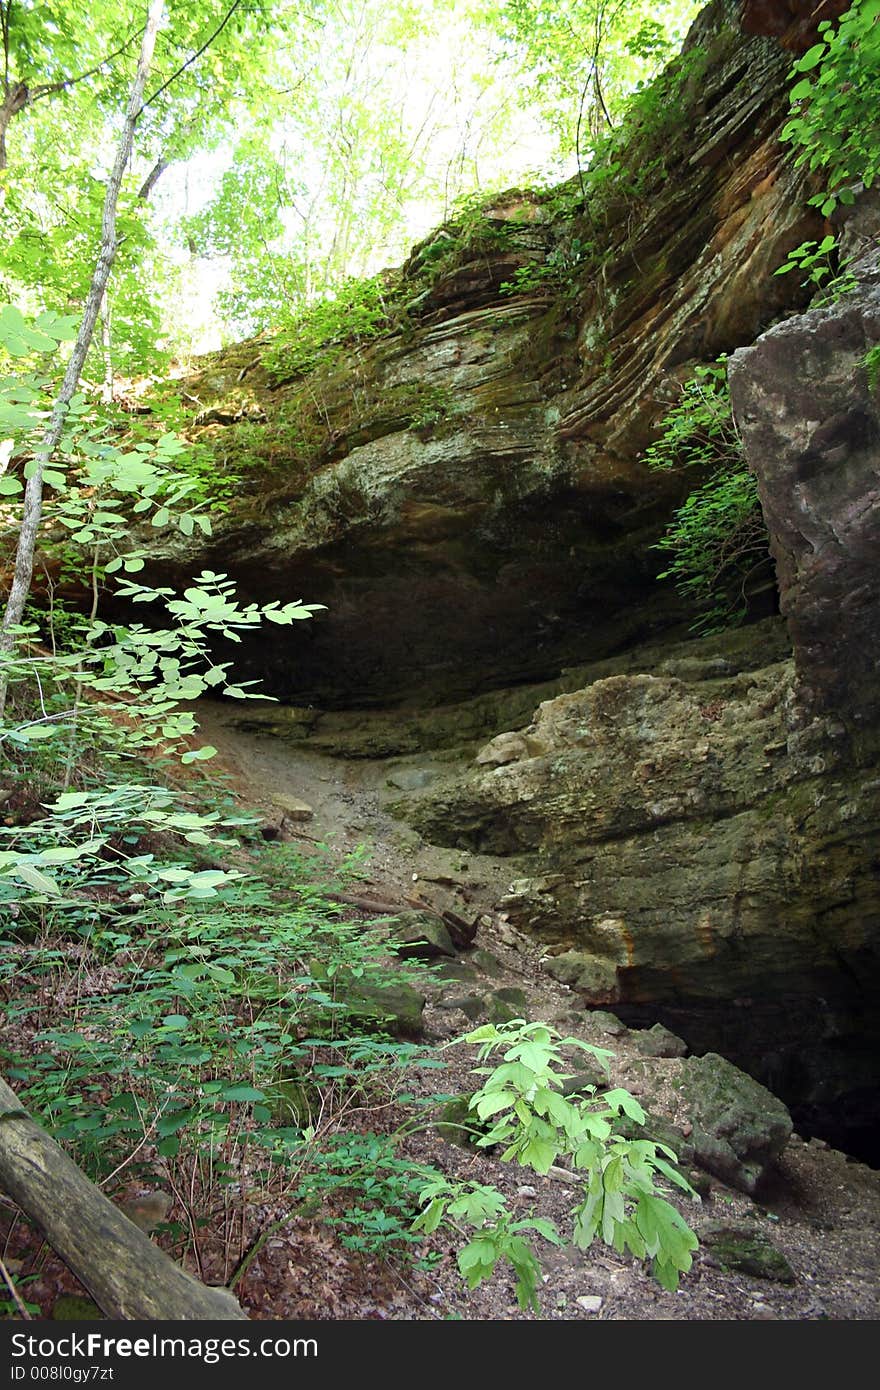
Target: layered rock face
[[704, 841], [464, 492]]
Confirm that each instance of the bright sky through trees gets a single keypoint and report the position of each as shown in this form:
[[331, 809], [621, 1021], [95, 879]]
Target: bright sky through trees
[[288, 145]]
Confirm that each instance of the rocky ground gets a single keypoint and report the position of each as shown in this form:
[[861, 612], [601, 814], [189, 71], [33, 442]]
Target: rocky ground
[[789, 1228], [804, 1245]]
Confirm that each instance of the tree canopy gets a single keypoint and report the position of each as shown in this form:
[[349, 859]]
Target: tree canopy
[[286, 145]]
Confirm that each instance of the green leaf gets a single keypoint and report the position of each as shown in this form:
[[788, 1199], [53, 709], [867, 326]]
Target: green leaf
[[486, 1105], [212, 878], [801, 89], [170, 1124], [199, 755], [545, 1228], [220, 974], [34, 879], [812, 58], [62, 854], [539, 1153], [69, 801], [620, 1099], [242, 1093], [431, 1217]]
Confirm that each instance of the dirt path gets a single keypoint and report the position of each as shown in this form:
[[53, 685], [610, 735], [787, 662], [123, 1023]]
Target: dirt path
[[348, 800]]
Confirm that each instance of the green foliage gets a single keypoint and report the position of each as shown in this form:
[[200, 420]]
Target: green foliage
[[816, 260], [97, 487], [718, 540], [12, 1307], [423, 404], [73, 62], [523, 1098], [243, 223], [153, 671], [377, 1193], [698, 430], [192, 1014], [101, 475], [871, 364], [354, 315], [200, 990], [499, 1237], [560, 269], [835, 116], [58, 856], [580, 59]]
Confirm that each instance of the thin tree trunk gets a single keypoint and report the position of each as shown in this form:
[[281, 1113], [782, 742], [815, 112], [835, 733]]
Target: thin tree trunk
[[33, 497], [127, 1275]]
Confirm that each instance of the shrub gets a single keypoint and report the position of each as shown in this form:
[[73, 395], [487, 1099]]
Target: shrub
[[835, 114], [523, 1098], [717, 540]]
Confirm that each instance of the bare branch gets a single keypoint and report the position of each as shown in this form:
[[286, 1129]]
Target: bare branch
[[152, 178], [189, 62], [5, 14]]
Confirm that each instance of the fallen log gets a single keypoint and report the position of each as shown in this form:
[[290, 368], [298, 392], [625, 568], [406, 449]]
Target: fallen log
[[127, 1275], [461, 931]]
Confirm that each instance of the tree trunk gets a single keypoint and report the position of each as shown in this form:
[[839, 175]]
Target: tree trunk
[[33, 496], [127, 1275]]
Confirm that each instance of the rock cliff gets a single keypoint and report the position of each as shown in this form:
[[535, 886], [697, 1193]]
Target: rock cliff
[[463, 490], [691, 830]]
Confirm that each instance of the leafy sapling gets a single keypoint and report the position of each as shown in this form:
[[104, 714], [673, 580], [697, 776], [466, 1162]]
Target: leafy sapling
[[815, 260], [523, 1097]]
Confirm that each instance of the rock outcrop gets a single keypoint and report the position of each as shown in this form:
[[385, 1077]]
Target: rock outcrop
[[464, 491], [808, 409], [692, 844]]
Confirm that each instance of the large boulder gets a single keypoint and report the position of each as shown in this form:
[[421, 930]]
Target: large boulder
[[808, 410], [739, 1128]]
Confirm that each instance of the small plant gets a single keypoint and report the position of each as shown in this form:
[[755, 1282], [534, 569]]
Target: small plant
[[815, 260], [375, 1193], [835, 115], [499, 1237], [539, 1126], [356, 313], [718, 539], [871, 364], [559, 269]]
